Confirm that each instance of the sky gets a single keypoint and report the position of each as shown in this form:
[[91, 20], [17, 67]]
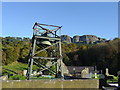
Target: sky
[[76, 18]]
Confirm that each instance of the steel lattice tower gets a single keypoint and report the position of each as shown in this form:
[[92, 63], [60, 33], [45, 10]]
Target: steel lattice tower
[[47, 36]]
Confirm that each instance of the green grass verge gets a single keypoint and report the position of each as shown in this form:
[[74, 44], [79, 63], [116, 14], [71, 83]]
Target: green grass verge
[[17, 77], [15, 70], [37, 78]]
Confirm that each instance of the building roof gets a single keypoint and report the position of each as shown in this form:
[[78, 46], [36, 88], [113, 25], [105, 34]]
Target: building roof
[[78, 69]]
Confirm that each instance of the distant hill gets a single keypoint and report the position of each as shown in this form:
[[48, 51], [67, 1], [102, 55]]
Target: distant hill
[[84, 39]]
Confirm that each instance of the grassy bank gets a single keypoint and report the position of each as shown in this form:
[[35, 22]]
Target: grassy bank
[[15, 70]]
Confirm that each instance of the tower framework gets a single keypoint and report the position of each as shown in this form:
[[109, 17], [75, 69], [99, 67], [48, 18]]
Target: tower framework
[[47, 38]]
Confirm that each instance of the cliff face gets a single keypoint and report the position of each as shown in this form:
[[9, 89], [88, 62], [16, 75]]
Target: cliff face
[[86, 39], [66, 38], [76, 39]]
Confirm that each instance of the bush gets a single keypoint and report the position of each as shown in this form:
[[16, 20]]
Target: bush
[[17, 77]]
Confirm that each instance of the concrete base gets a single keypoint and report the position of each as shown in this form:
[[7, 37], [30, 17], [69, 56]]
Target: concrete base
[[53, 83]]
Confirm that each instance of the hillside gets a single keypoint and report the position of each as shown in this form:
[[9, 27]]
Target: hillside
[[103, 55]]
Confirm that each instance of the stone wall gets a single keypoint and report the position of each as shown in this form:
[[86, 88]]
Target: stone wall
[[53, 83]]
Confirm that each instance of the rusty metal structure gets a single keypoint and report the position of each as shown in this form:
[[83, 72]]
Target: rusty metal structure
[[47, 37]]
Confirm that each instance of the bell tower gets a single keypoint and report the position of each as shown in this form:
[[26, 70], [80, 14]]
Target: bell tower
[[47, 38]]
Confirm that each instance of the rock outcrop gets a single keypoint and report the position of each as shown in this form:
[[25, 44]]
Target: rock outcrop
[[76, 39], [66, 38], [85, 39]]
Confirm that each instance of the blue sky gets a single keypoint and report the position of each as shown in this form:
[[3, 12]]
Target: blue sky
[[77, 18]]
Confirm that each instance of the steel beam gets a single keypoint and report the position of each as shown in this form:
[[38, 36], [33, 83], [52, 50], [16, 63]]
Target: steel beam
[[38, 35], [37, 57]]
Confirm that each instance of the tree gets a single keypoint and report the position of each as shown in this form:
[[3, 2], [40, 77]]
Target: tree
[[66, 59]]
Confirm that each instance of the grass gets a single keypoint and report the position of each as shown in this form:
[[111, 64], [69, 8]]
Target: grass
[[115, 79], [37, 78], [15, 69], [17, 77], [16, 66], [112, 80]]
